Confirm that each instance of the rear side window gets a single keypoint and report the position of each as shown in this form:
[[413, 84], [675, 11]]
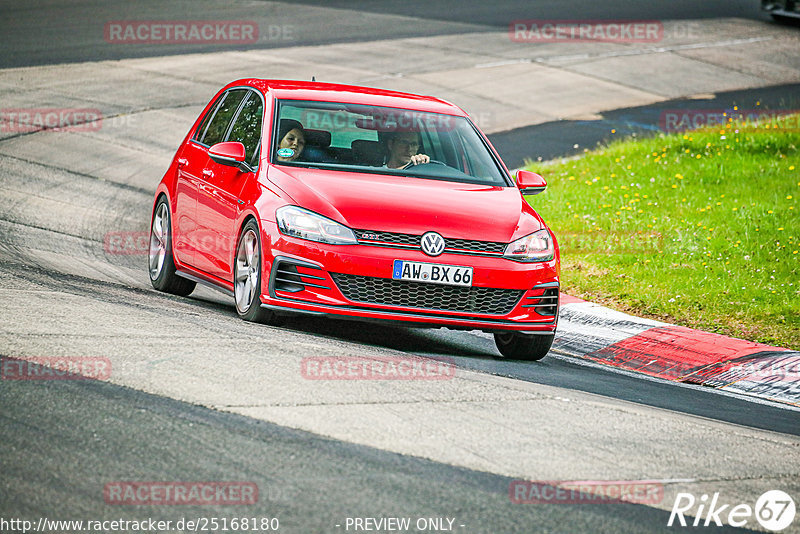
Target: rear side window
[[218, 126], [247, 127]]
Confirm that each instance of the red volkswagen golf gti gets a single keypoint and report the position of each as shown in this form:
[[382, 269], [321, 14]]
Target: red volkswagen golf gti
[[357, 203]]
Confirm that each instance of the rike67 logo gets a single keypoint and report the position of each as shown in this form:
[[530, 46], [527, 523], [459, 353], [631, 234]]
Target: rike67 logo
[[774, 511]]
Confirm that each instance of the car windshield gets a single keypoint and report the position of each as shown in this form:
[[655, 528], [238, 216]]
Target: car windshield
[[375, 139]]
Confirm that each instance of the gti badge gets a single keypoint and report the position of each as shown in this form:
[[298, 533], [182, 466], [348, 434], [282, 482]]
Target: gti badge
[[432, 244]]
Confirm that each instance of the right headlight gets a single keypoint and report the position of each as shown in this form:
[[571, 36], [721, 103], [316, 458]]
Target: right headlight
[[298, 222], [537, 246]]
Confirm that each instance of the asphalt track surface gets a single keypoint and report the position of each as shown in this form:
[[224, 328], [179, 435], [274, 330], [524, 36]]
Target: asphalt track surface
[[61, 441], [49, 31], [310, 483], [566, 138]]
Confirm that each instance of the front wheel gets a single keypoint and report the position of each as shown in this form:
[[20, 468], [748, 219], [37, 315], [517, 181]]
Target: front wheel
[[247, 278], [518, 346]]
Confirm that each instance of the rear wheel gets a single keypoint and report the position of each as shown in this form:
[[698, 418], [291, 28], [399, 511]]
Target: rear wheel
[[161, 263], [247, 278], [518, 346]]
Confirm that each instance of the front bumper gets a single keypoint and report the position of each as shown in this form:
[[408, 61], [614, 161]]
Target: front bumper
[[301, 277]]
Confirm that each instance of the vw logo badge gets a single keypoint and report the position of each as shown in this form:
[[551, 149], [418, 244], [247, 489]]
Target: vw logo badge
[[432, 244]]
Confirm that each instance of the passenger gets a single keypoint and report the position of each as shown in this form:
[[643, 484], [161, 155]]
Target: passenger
[[292, 136], [402, 150]]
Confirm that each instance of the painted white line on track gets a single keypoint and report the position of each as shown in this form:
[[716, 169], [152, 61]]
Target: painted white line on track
[[651, 50]]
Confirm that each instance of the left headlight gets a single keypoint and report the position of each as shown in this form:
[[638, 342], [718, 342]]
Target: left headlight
[[298, 222], [537, 246]]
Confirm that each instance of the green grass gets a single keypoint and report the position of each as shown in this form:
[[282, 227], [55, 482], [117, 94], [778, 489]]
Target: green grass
[[699, 229]]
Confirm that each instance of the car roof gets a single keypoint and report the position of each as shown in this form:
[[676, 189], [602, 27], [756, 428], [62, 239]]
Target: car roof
[[348, 94]]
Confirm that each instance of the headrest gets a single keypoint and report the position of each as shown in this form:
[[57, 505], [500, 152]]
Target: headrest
[[319, 138]]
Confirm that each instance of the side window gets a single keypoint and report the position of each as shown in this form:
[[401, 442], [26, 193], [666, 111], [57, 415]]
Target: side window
[[198, 135], [222, 118], [247, 126]]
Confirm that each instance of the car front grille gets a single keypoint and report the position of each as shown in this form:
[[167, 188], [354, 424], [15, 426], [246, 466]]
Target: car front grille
[[374, 290], [457, 246]]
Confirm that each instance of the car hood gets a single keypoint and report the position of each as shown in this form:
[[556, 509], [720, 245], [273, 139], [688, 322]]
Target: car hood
[[410, 205]]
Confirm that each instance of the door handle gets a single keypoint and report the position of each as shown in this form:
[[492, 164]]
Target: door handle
[[208, 173], [182, 162]]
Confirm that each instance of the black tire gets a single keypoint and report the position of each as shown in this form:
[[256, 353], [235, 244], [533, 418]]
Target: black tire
[[517, 346], [161, 264], [247, 278]]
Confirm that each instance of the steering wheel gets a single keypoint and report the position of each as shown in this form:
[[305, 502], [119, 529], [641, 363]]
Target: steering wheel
[[411, 164]]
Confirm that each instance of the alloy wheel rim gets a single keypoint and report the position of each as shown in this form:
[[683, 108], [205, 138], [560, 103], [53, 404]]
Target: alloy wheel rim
[[158, 241], [247, 264]]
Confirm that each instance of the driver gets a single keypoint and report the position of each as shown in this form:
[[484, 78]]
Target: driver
[[402, 148]]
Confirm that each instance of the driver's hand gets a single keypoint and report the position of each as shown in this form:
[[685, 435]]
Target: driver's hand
[[419, 159]]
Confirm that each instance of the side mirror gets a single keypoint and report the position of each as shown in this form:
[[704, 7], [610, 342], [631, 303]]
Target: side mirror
[[530, 183], [231, 154]]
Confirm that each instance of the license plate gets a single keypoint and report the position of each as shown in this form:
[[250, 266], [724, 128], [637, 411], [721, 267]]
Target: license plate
[[432, 273]]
